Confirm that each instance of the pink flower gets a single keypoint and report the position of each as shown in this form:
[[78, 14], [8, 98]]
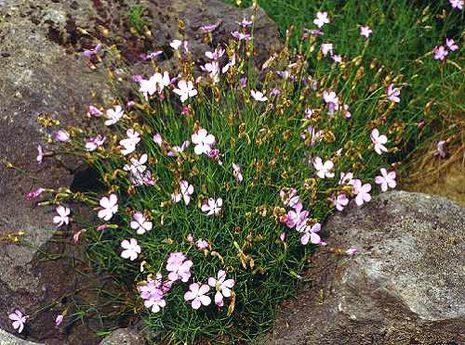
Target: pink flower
[[19, 320], [179, 267], [440, 53], [186, 191], [340, 201], [440, 150], [362, 192], [153, 292], [94, 51], [450, 43], [185, 90], [59, 320], [40, 154], [245, 22], [62, 136], [34, 193], [323, 170], [212, 206], [386, 179], [458, 4], [327, 48], [237, 172], [222, 286], [258, 96], [203, 141], [215, 55], [209, 27], [365, 31], [63, 216], [297, 216], [378, 141], [196, 294], [129, 144], [331, 100], [93, 143], [140, 223], [321, 19], [77, 235], [240, 36], [130, 249], [93, 111], [289, 197], [336, 58], [393, 94], [156, 83], [310, 234], [352, 251], [113, 115], [157, 139], [202, 244], [110, 207]]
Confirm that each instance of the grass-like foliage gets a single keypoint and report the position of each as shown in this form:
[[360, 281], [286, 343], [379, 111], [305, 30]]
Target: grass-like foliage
[[219, 175]]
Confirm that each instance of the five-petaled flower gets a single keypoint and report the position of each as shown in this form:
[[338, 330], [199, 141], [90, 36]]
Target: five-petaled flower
[[129, 144], [114, 115], [393, 93], [365, 31], [131, 249], [362, 192], [378, 141], [323, 170], [19, 320], [457, 4], [222, 286], [258, 96], [321, 19], [110, 207], [179, 267], [387, 179], [185, 90], [196, 294], [212, 206], [203, 141], [156, 83], [63, 216], [340, 201], [310, 234], [140, 223], [186, 191]]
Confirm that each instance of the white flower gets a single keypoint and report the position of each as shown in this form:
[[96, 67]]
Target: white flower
[[114, 115], [212, 206], [110, 207], [137, 166], [140, 223], [202, 141], [175, 44], [156, 83], [196, 294], [237, 172], [378, 141], [327, 48], [93, 143], [18, 319], [323, 170], [63, 216], [321, 19], [185, 90], [129, 144], [131, 249], [387, 179], [258, 96], [222, 286]]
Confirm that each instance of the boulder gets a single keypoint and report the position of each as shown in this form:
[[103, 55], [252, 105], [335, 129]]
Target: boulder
[[404, 286], [9, 339], [123, 336]]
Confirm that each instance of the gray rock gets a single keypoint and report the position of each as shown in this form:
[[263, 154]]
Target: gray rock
[[9, 339], [123, 336], [406, 286]]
